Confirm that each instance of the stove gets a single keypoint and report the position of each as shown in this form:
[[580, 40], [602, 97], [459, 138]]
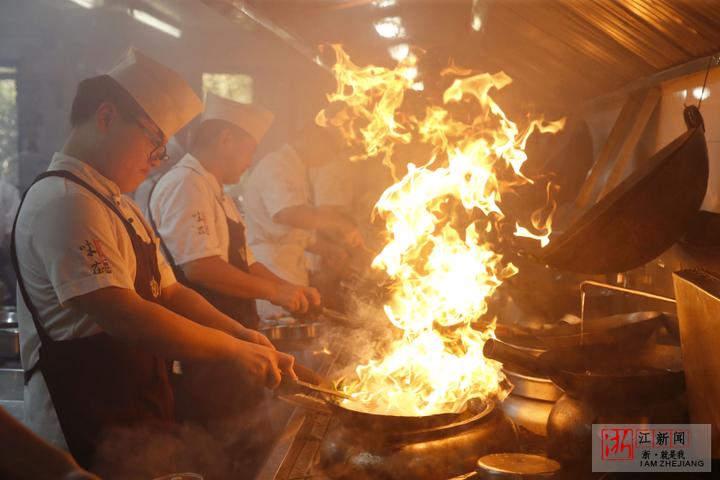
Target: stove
[[318, 447]]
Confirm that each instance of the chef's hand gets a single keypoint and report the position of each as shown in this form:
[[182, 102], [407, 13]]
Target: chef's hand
[[313, 296], [253, 336], [291, 297], [350, 233], [264, 366]]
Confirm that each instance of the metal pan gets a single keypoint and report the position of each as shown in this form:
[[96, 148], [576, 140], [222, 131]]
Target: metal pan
[[601, 372], [10, 343], [292, 336], [628, 329], [642, 217], [355, 415]]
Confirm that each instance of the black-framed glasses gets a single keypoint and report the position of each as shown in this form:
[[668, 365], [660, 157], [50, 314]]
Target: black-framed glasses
[[159, 151]]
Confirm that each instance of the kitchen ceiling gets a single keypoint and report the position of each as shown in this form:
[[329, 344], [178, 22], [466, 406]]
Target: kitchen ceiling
[[559, 52]]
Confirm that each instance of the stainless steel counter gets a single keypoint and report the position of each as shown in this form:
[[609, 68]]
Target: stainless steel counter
[[295, 451], [11, 389]]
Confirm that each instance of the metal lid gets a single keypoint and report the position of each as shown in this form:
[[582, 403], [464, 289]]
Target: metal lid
[[514, 465]]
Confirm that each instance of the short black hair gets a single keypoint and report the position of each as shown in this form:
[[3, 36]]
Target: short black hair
[[92, 92], [209, 130]]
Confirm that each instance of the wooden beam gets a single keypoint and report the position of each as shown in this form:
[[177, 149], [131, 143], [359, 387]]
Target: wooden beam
[[604, 163], [640, 121], [616, 144]]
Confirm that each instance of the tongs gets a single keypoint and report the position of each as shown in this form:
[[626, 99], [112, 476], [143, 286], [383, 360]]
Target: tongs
[[307, 380], [291, 385], [315, 312]]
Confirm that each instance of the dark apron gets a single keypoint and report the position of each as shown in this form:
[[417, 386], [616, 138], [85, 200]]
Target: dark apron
[[212, 396], [98, 382], [242, 310]]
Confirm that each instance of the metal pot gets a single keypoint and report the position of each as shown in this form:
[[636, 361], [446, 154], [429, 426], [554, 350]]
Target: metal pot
[[10, 343]]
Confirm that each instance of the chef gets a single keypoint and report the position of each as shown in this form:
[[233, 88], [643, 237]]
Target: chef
[[99, 309], [201, 228], [331, 188], [281, 219]]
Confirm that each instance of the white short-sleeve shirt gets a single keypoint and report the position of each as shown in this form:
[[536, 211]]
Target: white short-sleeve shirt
[[190, 209], [70, 243], [331, 185], [278, 181]]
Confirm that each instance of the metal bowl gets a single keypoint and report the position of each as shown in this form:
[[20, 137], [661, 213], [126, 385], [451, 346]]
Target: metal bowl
[[293, 336]]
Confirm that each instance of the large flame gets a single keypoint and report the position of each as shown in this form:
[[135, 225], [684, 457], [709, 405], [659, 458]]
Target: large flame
[[441, 218]]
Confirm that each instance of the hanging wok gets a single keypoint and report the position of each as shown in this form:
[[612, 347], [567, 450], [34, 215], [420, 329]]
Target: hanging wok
[[640, 218], [601, 372]]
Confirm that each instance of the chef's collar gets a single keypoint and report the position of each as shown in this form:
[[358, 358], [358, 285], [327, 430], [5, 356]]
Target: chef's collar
[[86, 172], [191, 162]]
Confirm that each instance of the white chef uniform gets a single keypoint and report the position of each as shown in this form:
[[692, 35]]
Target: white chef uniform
[[331, 185], [189, 209], [71, 244], [188, 205], [278, 181]]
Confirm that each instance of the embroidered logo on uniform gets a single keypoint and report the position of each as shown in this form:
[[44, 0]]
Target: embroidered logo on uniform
[[154, 288], [95, 257], [201, 223]]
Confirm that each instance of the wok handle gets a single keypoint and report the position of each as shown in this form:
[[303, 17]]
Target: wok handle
[[504, 353], [306, 403]]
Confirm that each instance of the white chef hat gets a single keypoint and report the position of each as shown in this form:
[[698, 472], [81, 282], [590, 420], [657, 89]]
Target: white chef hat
[[161, 92], [254, 119]]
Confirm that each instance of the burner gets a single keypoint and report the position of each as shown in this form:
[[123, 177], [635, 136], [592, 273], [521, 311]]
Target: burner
[[440, 452]]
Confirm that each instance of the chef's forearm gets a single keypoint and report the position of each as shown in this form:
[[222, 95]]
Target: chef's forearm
[[219, 276], [260, 270], [123, 314], [190, 304], [309, 218]]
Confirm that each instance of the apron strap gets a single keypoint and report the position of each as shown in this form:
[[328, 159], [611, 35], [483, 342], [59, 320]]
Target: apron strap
[[35, 314], [176, 268]]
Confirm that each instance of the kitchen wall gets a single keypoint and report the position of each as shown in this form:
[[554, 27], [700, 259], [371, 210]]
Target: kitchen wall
[[54, 44]]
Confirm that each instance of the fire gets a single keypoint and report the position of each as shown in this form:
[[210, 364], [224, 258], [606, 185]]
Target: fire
[[442, 221]]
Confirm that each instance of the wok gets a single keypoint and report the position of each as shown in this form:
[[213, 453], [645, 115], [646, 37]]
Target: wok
[[601, 372], [640, 218], [627, 329], [355, 415]]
